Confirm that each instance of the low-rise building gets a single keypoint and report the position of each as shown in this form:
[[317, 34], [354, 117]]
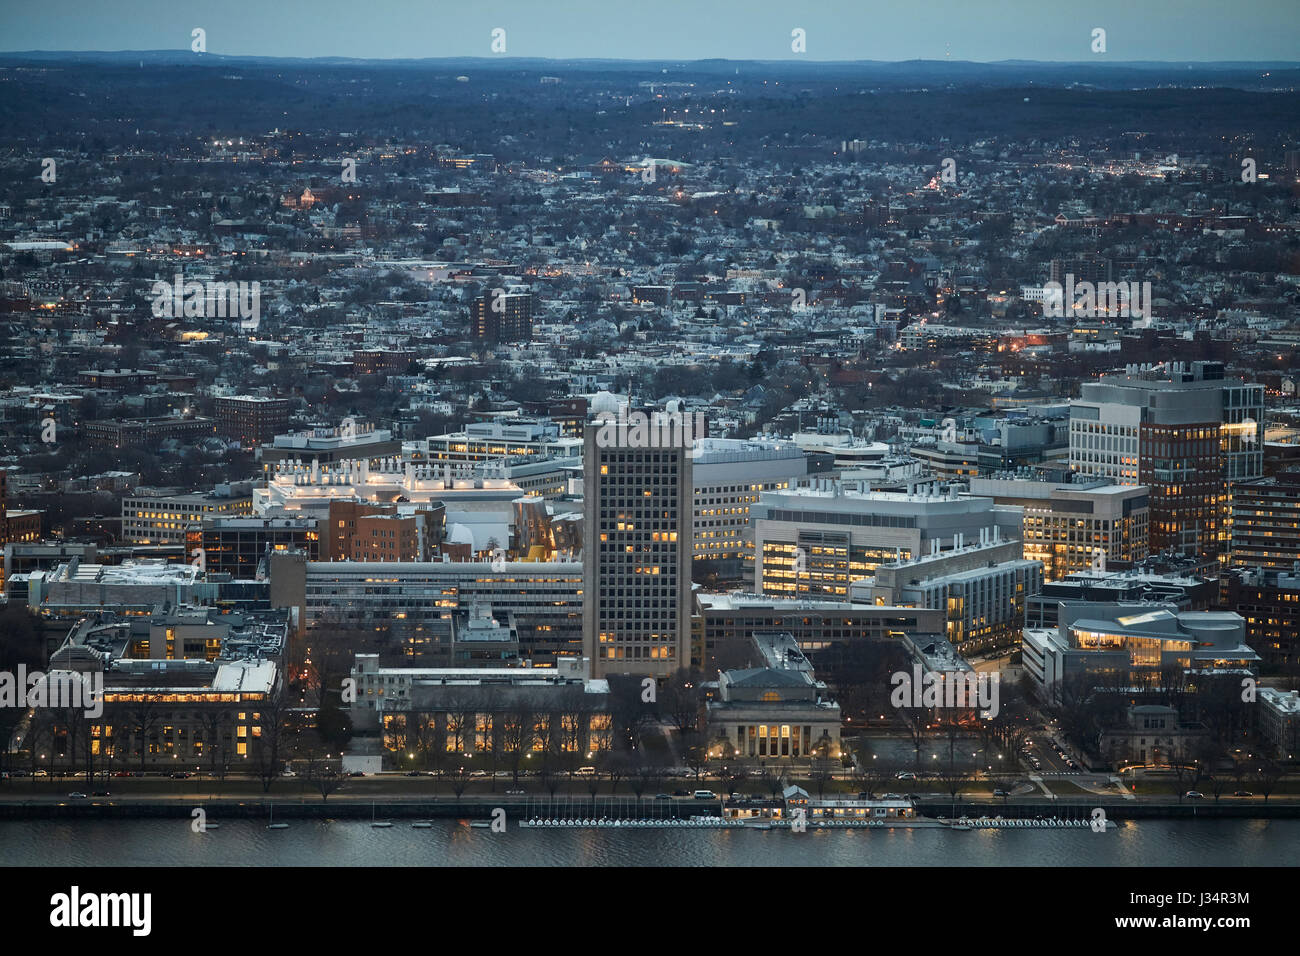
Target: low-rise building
[[981, 588], [775, 711], [208, 712], [1119, 645], [167, 518], [1075, 526], [1279, 720], [538, 714]]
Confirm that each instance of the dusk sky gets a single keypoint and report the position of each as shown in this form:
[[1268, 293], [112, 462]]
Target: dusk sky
[[670, 29]]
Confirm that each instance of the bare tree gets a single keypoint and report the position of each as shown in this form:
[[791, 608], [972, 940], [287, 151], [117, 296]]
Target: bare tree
[[144, 716], [952, 781], [460, 722], [869, 778], [1268, 773], [697, 758], [459, 778], [645, 775], [617, 765], [679, 701], [215, 724], [517, 727], [917, 723], [321, 772], [770, 778], [270, 747], [820, 773]]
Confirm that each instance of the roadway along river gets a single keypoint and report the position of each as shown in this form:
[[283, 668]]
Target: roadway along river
[[448, 843]]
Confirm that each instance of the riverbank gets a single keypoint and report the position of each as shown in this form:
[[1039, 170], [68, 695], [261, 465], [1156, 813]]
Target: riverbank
[[481, 806]]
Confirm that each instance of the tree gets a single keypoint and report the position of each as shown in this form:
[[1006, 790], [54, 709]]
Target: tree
[[630, 714], [268, 747], [215, 726], [645, 775], [460, 722], [617, 766], [1268, 773], [868, 777], [459, 778], [697, 758], [680, 700], [821, 772], [20, 645], [322, 773], [516, 736], [916, 722], [770, 778], [144, 716], [952, 781], [732, 775], [550, 777]]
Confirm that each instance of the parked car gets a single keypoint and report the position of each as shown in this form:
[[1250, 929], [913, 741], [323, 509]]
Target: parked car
[[904, 775], [1194, 795], [124, 773], [705, 795], [181, 775], [412, 773], [357, 773], [78, 795], [663, 796], [681, 793], [517, 792], [101, 793], [1243, 793], [1001, 793]]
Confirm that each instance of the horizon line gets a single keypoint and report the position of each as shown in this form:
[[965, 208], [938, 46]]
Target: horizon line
[[505, 59]]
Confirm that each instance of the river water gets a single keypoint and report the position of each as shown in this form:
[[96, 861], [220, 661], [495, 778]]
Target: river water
[[449, 843]]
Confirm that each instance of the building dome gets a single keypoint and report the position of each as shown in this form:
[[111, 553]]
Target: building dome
[[604, 401]]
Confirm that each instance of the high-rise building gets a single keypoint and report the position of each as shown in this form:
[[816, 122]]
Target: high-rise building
[[501, 316], [1266, 521], [1186, 433], [637, 555]]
